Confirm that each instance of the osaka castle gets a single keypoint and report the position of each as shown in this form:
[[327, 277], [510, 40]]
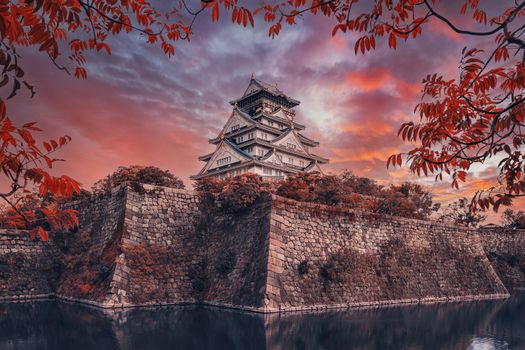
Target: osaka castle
[[262, 137]]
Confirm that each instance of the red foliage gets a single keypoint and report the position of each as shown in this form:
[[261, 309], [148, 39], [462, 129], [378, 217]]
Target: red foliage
[[141, 174], [233, 194], [85, 288], [240, 192], [23, 163]]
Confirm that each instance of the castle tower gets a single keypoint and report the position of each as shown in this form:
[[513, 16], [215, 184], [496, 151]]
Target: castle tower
[[261, 137]]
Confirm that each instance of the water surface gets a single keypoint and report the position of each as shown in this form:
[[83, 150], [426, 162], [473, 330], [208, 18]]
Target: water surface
[[63, 326]]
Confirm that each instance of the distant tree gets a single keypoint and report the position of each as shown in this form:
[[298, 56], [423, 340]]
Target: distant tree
[[330, 190], [143, 174], [459, 213], [513, 219], [359, 184], [407, 200]]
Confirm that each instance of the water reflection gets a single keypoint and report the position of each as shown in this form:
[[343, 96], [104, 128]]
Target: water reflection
[[55, 325]]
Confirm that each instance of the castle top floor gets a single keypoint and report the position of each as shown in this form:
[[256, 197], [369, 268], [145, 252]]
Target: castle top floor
[[261, 97]]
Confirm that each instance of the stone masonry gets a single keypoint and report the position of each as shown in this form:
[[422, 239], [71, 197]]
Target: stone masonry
[[147, 245]]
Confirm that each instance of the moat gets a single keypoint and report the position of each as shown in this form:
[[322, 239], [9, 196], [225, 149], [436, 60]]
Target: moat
[[470, 325]]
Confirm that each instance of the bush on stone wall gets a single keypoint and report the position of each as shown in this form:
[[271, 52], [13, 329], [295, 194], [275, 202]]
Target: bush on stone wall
[[142, 174], [234, 194], [345, 190], [406, 200]]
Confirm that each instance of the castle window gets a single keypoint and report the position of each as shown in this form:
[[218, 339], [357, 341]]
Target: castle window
[[224, 160], [301, 163], [261, 152], [249, 149], [235, 127], [267, 171], [240, 139], [290, 160], [250, 136], [291, 145]]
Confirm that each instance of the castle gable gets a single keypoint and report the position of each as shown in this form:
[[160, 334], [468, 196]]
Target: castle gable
[[280, 114], [290, 140], [273, 158], [225, 154], [236, 121]]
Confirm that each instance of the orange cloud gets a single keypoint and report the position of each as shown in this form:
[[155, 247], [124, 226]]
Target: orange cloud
[[370, 79], [338, 43], [366, 128], [341, 154]]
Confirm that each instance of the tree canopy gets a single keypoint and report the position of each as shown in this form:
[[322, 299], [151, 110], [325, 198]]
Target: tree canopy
[[143, 174]]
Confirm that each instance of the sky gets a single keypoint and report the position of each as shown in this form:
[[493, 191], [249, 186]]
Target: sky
[[140, 107]]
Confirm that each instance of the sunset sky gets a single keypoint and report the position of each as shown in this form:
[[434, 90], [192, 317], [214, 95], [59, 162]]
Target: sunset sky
[[140, 107]]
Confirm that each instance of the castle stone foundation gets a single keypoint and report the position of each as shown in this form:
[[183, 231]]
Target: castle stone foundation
[[147, 245]]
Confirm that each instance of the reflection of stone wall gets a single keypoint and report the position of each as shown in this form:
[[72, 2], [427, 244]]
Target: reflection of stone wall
[[506, 251], [50, 325], [143, 245]]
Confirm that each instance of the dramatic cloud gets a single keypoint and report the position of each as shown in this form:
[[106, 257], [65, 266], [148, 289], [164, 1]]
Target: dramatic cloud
[[139, 107]]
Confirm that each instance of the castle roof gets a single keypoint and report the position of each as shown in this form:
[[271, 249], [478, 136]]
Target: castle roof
[[257, 86]]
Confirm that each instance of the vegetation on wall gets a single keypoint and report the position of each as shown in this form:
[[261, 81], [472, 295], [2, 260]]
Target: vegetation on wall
[[513, 219], [348, 190], [142, 174], [459, 213]]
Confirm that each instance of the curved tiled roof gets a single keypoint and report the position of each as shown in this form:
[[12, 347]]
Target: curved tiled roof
[[263, 86]]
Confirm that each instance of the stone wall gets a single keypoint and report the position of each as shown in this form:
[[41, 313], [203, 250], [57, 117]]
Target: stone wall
[[147, 245], [322, 256], [28, 267], [174, 253], [505, 249], [88, 255]]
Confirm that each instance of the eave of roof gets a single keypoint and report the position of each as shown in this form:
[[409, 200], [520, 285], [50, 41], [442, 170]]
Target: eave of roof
[[307, 141], [206, 157], [237, 149], [256, 126], [279, 119], [262, 142]]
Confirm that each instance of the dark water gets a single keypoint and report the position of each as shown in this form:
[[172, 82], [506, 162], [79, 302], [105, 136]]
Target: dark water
[[61, 326]]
